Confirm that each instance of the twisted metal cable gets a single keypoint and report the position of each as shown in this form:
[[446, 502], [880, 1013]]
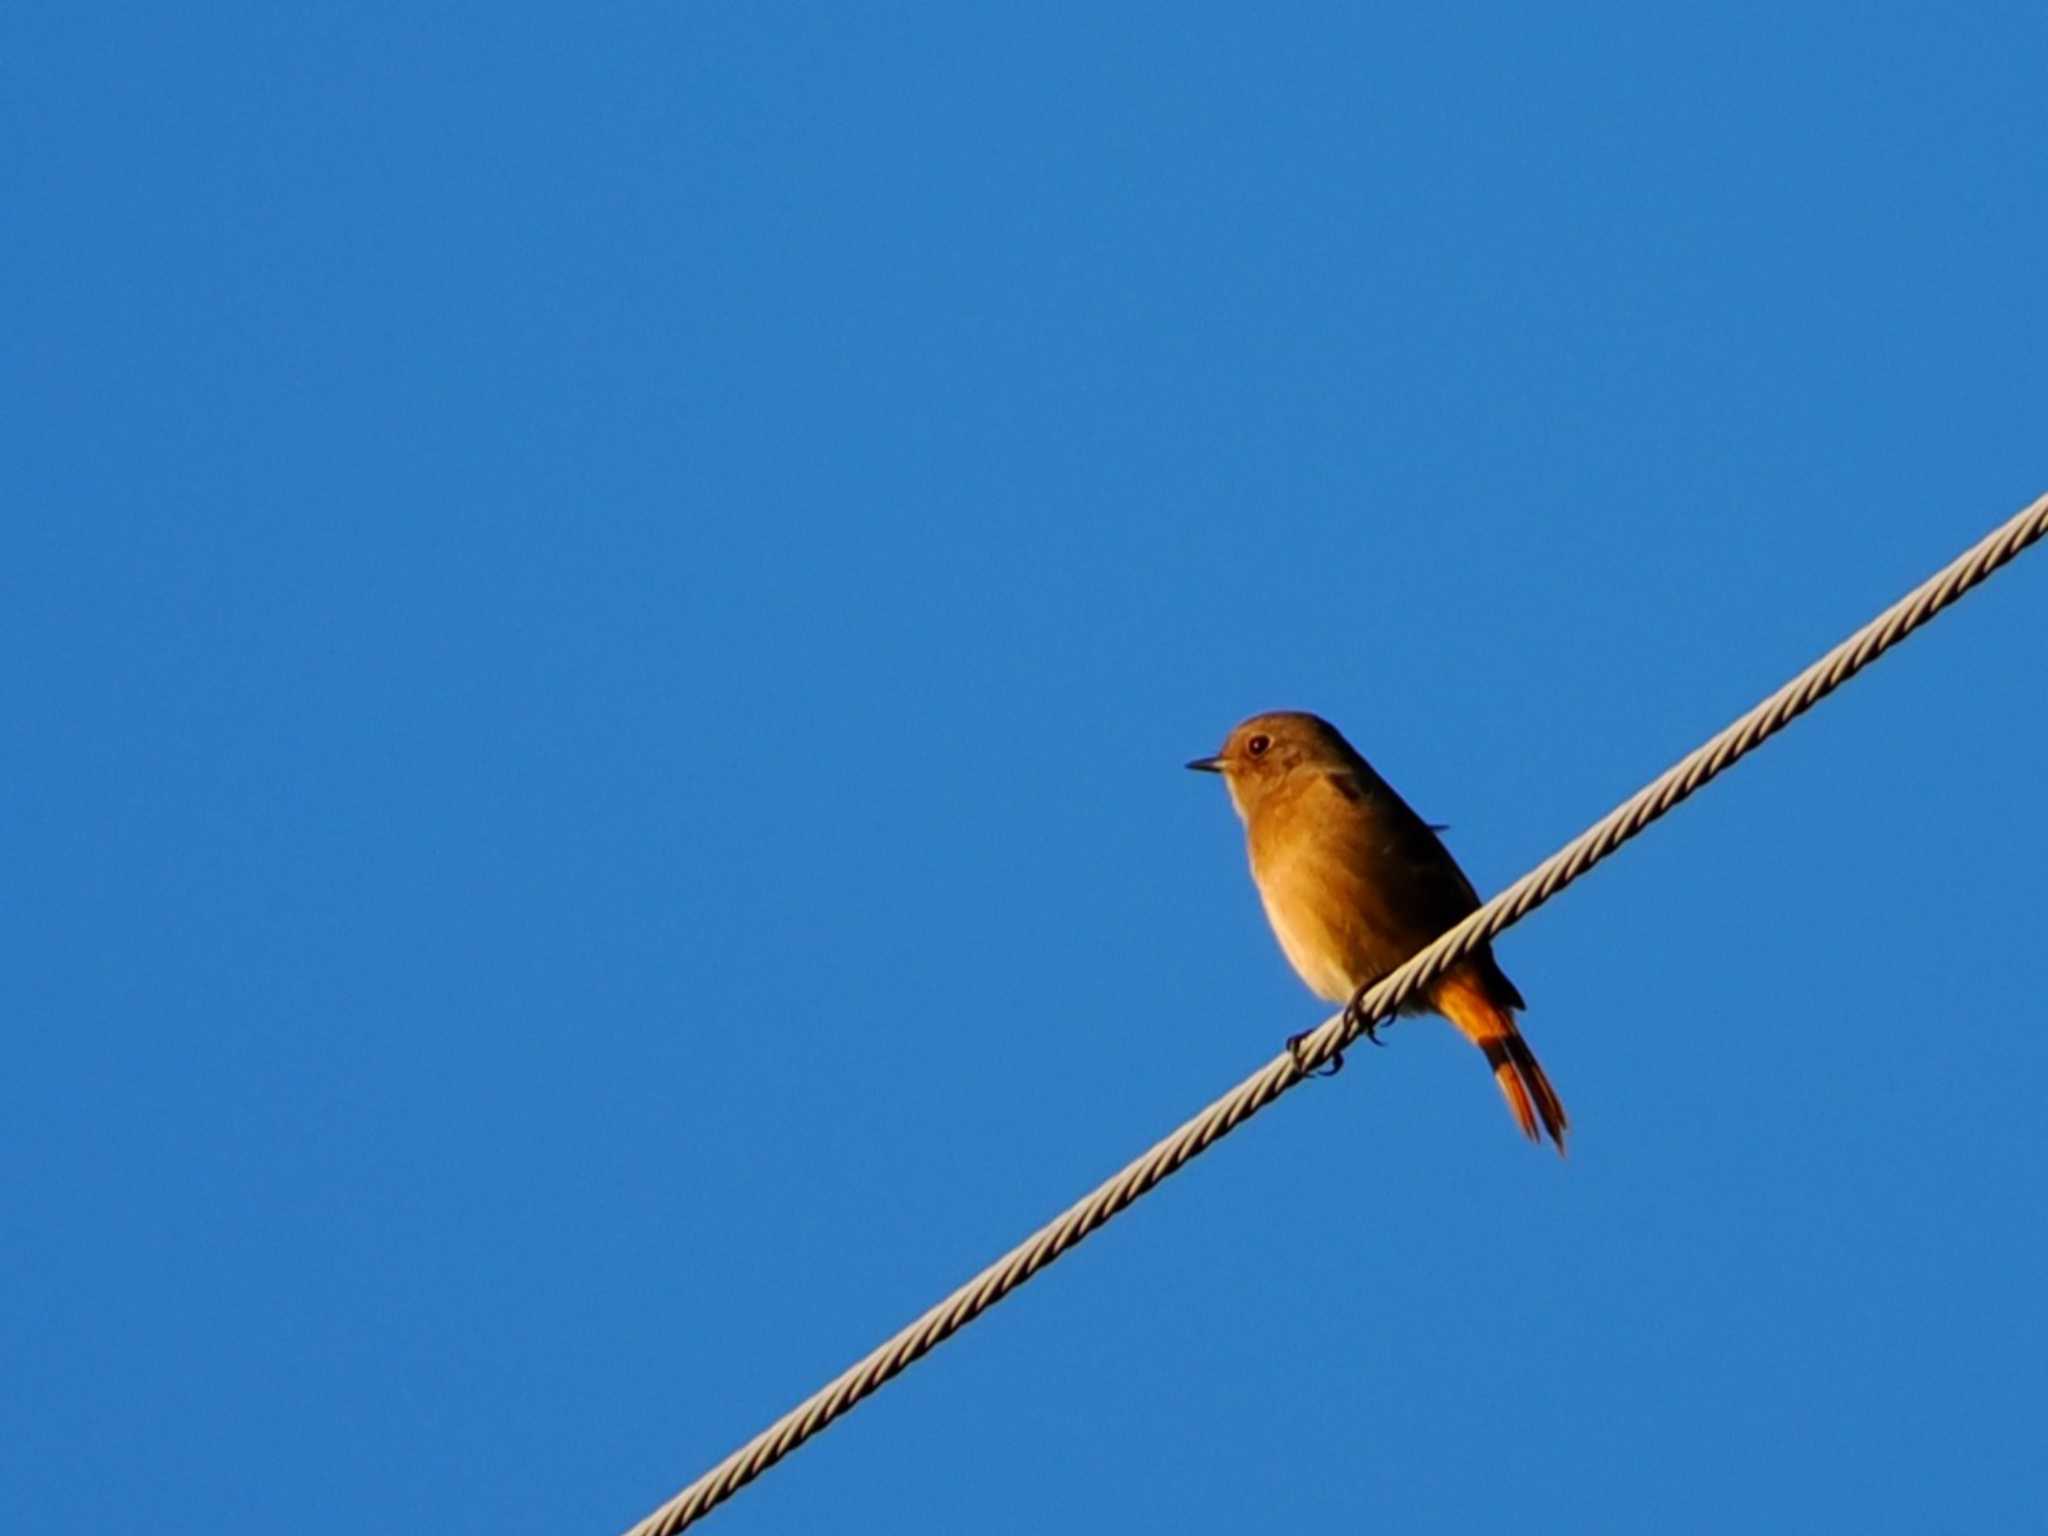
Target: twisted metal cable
[[1289, 1069]]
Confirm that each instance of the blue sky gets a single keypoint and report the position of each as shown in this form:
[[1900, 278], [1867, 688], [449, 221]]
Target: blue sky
[[606, 606]]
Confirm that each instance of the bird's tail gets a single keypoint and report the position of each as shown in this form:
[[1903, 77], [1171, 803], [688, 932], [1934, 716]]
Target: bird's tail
[[1468, 1001]]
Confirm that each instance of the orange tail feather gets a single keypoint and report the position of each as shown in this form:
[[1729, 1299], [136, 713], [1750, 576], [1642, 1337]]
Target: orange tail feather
[[1467, 1001]]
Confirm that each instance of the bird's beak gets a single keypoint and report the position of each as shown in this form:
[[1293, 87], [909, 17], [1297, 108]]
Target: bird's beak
[[1207, 765]]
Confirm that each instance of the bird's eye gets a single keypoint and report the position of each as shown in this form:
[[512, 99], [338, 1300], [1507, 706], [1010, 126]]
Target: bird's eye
[[1257, 745]]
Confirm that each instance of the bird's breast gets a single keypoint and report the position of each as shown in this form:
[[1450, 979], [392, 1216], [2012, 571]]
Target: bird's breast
[[1316, 917]]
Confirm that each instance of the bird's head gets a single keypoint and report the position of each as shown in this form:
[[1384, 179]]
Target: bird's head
[[1267, 752]]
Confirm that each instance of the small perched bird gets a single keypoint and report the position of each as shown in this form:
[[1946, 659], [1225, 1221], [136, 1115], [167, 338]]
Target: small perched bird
[[1354, 883]]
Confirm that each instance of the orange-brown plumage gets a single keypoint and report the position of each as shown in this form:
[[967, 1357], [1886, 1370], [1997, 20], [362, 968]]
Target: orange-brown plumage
[[1464, 999], [1354, 883]]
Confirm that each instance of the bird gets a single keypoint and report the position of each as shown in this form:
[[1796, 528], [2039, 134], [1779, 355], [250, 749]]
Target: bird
[[1354, 882]]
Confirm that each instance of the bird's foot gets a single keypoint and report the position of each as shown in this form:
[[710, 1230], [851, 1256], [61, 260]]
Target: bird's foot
[[1330, 1068], [1369, 1028]]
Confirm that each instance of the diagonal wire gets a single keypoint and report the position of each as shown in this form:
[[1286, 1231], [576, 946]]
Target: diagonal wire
[[1288, 1070]]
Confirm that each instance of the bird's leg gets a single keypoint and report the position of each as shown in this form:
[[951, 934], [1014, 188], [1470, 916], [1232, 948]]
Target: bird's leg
[[1355, 1016], [1330, 1068]]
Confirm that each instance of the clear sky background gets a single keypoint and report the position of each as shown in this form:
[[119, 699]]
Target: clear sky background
[[603, 607]]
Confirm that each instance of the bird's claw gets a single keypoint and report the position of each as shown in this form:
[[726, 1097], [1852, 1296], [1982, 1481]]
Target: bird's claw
[[1329, 1068], [1369, 1028]]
